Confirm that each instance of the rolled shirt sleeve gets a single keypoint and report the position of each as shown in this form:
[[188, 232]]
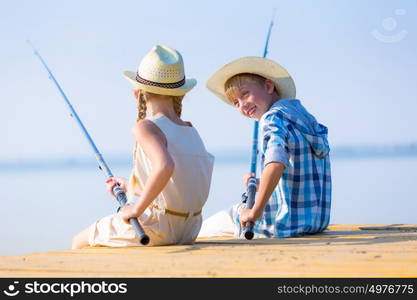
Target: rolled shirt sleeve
[[275, 136]]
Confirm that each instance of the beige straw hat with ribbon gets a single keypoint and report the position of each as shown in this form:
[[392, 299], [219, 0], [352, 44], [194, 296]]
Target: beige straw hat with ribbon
[[161, 71], [254, 65]]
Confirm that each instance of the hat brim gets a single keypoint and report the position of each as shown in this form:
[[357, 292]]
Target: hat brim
[[254, 65], [180, 91]]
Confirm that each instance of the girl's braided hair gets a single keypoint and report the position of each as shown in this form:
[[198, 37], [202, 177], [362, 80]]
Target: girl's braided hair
[[176, 100]]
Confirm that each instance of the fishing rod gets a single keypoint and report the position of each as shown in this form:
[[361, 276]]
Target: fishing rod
[[118, 192], [249, 195]]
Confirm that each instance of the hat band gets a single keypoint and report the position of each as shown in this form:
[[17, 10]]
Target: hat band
[[173, 85]]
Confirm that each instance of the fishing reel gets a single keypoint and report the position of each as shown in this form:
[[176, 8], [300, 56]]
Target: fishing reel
[[244, 197]]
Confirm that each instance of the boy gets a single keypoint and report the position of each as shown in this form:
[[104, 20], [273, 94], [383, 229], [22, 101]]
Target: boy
[[294, 191]]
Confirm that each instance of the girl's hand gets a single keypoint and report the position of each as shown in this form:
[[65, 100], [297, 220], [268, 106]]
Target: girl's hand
[[127, 212], [248, 176], [111, 182]]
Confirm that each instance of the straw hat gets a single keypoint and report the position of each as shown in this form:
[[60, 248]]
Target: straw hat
[[255, 65], [161, 71]]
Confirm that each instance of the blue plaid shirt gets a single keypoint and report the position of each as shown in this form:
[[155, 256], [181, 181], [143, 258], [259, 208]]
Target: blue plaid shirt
[[301, 201]]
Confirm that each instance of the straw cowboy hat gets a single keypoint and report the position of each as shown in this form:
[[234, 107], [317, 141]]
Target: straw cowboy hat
[[254, 65], [161, 71]]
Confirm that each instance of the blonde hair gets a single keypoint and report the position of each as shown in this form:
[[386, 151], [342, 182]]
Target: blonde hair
[[176, 101], [233, 84]]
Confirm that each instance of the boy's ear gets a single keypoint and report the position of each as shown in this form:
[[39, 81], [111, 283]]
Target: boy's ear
[[270, 86]]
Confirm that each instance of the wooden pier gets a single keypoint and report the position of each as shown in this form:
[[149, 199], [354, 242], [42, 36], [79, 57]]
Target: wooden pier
[[348, 250]]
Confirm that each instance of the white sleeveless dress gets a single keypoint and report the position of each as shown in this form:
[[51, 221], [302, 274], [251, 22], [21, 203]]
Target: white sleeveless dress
[[174, 217]]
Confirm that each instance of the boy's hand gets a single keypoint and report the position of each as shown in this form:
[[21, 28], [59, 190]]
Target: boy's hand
[[127, 212], [248, 215], [269, 180], [111, 182], [248, 176]]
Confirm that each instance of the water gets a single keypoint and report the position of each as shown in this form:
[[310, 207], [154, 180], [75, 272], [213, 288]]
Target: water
[[43, 209]]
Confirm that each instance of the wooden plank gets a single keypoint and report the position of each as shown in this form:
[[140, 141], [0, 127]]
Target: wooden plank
[[345, 250]]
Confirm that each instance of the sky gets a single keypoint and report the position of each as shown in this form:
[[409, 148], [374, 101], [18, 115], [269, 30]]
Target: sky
[[354, 63]]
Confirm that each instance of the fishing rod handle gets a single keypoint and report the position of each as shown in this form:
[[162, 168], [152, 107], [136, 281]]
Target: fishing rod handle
[[248, 231], [143, 237], [122, 199], [251, 192]]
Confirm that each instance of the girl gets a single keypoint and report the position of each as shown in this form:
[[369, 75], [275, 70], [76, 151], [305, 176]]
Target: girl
[[171, 175]]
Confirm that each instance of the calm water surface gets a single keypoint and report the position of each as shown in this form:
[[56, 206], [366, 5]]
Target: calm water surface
[[41, 210]]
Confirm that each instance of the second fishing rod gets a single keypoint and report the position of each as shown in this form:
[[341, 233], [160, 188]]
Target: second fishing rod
[[250, 194]]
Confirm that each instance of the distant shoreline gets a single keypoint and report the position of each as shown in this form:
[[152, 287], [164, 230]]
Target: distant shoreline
[[224, 156]]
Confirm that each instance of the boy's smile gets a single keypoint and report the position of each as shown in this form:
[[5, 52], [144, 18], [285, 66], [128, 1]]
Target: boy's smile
[[253, 100]]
